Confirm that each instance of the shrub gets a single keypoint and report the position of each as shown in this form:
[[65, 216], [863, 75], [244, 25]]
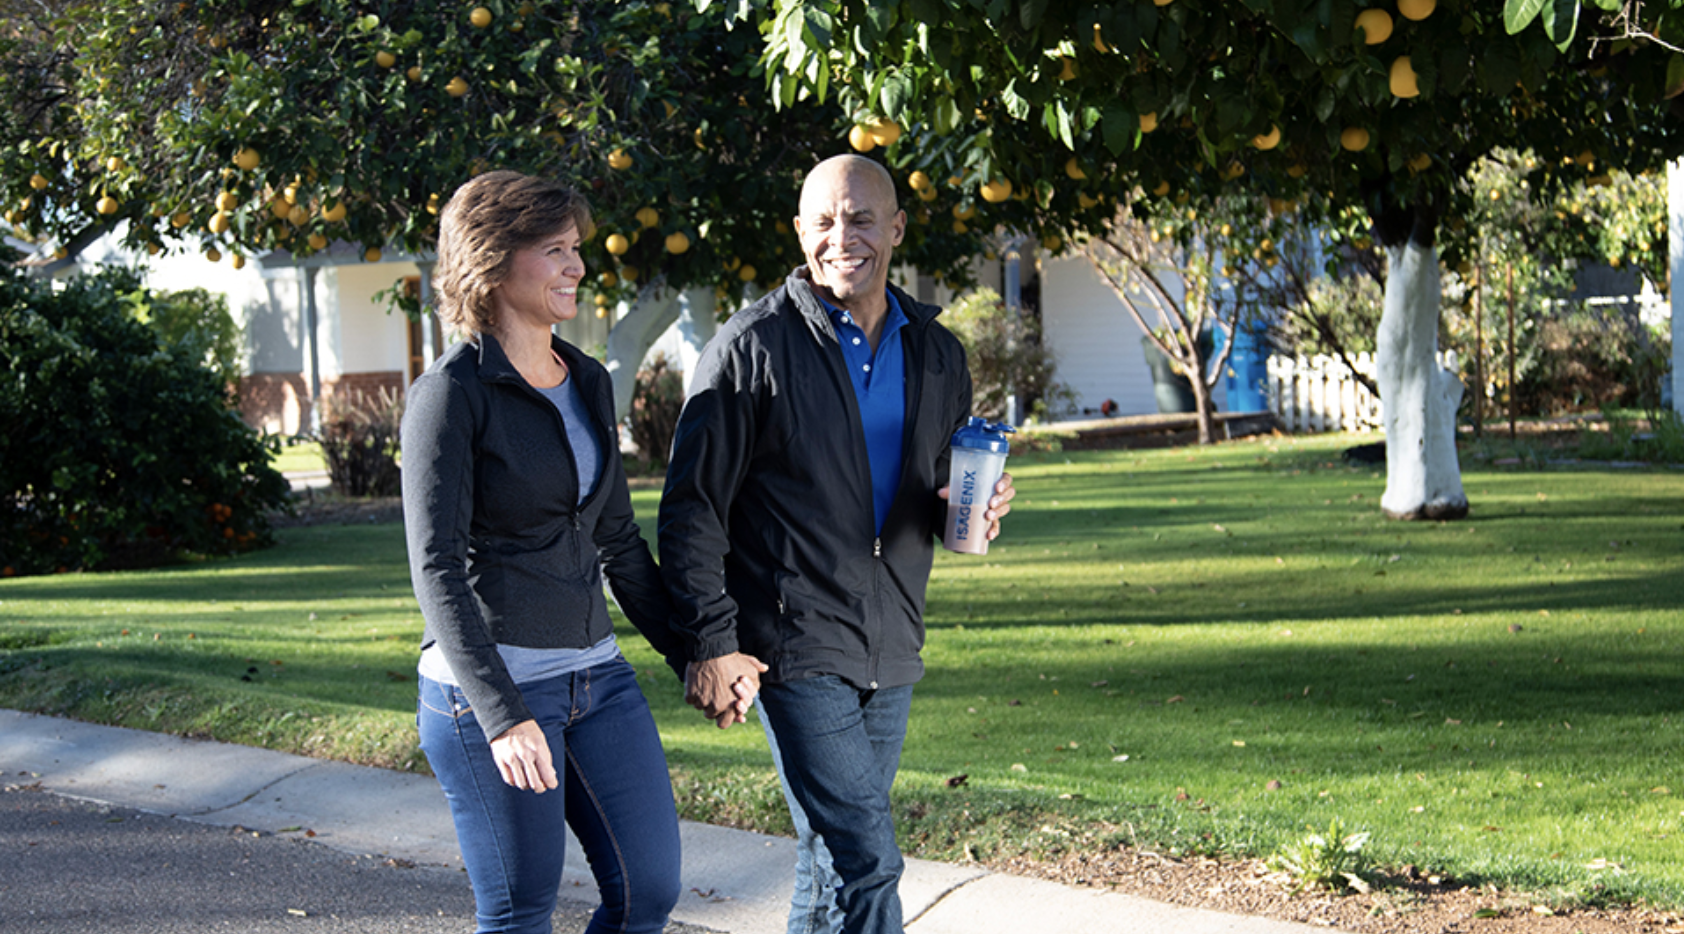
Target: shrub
[[1006, 357], [198, 323], [117, 450], [656, 401], [359, 438], [1592, 357]]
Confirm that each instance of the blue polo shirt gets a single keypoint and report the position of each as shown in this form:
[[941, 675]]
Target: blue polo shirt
[[880, 386]]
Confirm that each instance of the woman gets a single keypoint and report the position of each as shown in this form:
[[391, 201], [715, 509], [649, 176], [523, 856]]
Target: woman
[[515, 506]]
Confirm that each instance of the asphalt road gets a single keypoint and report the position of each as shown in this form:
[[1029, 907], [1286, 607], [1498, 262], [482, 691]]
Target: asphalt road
[[73, 867]]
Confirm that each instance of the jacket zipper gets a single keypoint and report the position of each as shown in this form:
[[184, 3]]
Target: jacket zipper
[[877, 607]]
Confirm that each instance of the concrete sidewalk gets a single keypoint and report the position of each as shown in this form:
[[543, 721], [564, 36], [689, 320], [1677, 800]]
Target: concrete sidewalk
[[734, 881]]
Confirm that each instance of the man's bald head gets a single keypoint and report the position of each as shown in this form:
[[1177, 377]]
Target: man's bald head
[[855, 168]]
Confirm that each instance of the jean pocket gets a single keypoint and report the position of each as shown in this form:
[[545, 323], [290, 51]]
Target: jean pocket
[[445, 700]]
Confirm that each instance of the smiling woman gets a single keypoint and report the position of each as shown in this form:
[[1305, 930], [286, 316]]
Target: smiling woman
[[515, 509]]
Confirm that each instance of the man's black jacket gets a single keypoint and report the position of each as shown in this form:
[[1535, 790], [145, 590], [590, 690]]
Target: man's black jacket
[[767, 528]]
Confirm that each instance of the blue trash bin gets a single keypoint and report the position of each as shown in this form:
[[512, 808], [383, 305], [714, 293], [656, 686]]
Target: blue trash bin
[[1248, 369]]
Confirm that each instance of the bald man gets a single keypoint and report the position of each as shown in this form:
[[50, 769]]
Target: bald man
[[806, 491]]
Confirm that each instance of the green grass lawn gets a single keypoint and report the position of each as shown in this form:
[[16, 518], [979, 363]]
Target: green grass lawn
[[303, 456], [1202, 651]]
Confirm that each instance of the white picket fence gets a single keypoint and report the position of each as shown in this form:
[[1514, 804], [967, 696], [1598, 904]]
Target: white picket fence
[[1319, 393]]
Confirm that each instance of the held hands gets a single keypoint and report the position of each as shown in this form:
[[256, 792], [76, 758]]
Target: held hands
[[723, 687], [523, 758], [998, 505]]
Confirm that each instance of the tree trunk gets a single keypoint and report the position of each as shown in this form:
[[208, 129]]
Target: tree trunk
[[631, 337], [698, 321], [1418, 397], [1201, 402]]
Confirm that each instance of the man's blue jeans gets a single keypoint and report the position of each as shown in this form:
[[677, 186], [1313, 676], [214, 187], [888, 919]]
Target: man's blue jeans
[[615, 794], [838, 748], [812, 908]]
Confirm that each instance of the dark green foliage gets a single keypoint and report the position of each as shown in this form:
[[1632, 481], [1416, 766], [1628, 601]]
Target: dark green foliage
[[1589, 357], [197, 322], [116, 450], [360, 443]]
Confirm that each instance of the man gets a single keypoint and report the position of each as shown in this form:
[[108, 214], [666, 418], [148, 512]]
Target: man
[[806, 490]]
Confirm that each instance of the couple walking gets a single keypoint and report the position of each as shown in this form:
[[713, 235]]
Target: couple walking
[[796, 532]]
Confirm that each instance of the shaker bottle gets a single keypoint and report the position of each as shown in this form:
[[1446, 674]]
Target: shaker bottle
[[979, 458]]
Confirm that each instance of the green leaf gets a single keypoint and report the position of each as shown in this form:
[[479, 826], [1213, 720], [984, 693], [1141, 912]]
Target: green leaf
[[1562, 22], [1674, 76], [1016, 104], [897, 91], [1518, 14], [1121, 125]]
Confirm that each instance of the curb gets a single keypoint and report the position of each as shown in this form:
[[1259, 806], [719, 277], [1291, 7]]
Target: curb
[[734, 881]]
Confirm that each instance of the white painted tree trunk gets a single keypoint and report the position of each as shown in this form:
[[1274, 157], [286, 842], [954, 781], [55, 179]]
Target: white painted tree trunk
[[698, 321], [1418, 397], [631, 337]]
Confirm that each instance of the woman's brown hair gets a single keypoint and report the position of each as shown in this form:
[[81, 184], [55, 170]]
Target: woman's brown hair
[[486, 221]]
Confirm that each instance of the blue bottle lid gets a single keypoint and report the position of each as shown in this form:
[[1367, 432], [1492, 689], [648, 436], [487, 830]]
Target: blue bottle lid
[[981, 435]]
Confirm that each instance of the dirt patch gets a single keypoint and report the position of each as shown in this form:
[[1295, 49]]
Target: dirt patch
[[1407, 903]]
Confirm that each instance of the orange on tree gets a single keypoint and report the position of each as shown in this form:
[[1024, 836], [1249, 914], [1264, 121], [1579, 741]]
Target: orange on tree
[[617, 244], [884, 132], [247, 158], [1401, 78], [861, 139], [677, 243], [619, 159], [1376, 26], [1352, 138], [1416, 10], [996, 191]]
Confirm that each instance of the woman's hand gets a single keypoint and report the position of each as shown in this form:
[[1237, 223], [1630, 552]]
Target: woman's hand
[[523, 757]]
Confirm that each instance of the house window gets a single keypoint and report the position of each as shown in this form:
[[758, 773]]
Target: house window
[[417, 349]]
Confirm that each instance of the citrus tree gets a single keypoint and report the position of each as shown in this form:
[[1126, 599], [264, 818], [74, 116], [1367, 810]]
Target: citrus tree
[[234, 128], [1383, 106]]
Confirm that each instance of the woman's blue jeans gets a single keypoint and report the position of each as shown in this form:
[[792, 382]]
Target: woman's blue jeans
[[615, 793], [838, 748]]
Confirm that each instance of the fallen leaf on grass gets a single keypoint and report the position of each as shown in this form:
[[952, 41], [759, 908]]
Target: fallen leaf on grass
[[298, 912], [1175, 700], [957, 781], [1488, 913]]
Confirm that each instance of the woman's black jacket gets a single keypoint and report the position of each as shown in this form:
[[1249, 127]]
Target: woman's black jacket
[[500, 549]]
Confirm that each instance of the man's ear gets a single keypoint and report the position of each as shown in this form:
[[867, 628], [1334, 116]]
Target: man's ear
[[899, 224]]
